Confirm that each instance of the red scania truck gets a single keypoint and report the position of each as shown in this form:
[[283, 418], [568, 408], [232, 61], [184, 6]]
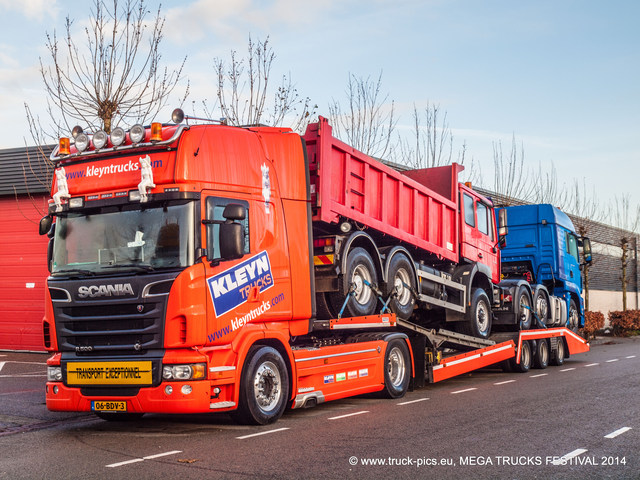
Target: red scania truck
[[209, 268]]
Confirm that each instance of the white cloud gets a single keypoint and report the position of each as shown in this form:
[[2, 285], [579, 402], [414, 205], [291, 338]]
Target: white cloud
[[32, 9]]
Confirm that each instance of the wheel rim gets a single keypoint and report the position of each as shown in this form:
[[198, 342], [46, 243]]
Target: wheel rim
[[525, 313], [362, 292], [561, 350], [482, 317], [573, 319], [544, 355], [525, 356], [400, 283], [267, 386], [542, 307], [396, 367]]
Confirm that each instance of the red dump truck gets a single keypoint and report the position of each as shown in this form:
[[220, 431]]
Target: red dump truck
[[210, 268]]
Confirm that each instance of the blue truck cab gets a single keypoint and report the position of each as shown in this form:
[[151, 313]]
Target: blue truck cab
[[542, 247]]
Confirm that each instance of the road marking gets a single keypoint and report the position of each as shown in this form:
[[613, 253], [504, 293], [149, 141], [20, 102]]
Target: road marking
[[631, 356], [538, 375], [563, 460], [27, 363], [463, 391], [592, 365], [612, 360], [568, 369], [620, 431], [137, 460], [349, 415], [262, 433], [413, 401], [503, 383], [2, 365]]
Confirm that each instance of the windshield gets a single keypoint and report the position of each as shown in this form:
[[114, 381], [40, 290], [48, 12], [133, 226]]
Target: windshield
[[116, 239]]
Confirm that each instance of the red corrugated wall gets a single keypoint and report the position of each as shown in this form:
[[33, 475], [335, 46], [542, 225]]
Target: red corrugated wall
[[23, 273]]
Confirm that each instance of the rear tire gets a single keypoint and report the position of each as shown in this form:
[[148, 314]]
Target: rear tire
[[558, 356], [359, 268], [397, 369], [401, 281], [523, 303], [541, 358], [525, 359], [264, 387], [542, 307]]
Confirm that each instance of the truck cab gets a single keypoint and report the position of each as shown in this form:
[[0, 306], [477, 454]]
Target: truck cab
[[542, 247]]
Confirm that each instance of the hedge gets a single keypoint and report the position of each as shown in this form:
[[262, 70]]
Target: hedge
[[625, 323]]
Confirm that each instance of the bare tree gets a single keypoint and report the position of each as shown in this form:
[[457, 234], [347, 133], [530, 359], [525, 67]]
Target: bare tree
[[114, 75], [512, 184], [627, 218], [244, 96], [547, 190], [431, 143], [586, 211], [367, 123]]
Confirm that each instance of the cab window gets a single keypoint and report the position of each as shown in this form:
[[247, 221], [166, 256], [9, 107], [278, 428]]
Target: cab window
[[215, 208], [572, 245], [469, 214], [483, 218]]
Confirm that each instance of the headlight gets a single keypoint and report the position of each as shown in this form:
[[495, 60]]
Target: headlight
[[54, 374], [82, 142], [117, 136], [194, 371], [137, 133], [100, 139]]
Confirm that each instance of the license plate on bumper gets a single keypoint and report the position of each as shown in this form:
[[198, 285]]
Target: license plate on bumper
[[108, 406], [109, 373]]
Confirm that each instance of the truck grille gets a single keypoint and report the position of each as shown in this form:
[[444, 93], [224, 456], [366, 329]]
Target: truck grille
[[98, 329], [107, 325]]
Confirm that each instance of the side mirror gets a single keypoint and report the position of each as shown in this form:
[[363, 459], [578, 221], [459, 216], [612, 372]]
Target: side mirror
[[503, 228], [231, 241], [586, 249], [45, 225], [233, 211]]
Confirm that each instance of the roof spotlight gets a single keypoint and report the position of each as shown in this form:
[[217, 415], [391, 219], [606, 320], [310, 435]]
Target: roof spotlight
[[117, 136], [82, 142], [76, 131], [136, 134], [100, 139], [177, 116]]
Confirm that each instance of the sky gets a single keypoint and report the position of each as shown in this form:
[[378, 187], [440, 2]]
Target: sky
[[561, 77]]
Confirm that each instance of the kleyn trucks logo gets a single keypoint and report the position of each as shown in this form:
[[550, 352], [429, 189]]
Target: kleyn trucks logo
[[95, 171], [232, 287]]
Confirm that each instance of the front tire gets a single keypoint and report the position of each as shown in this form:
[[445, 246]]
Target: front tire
[[397, 369], [264, 387], [478, 323], [573, 322]]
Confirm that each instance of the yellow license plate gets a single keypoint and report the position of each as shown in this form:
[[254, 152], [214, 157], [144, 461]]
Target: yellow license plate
[[107, 406], [109, 373]]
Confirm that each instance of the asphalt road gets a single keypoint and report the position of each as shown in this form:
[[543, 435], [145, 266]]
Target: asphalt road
[[581, 420]]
